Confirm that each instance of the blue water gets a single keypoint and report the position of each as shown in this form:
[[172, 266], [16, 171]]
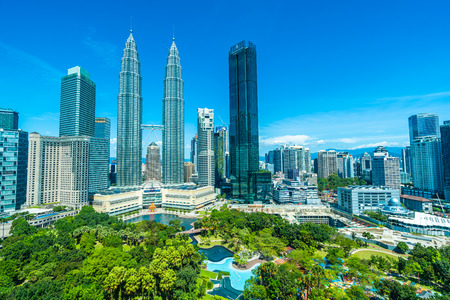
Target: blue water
[[164, 219], [45, 216], [216, 253], [238, 277]]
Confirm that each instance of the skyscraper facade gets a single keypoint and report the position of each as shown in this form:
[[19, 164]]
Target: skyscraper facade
[[77, 111], [58, 170], [244, 134], [445, 142], [366, 162], [188, 170], [129, 118], [102, 128], [221, 155], [205, 130], [9, 119], [425, 151], [194, 152], [406, 159], [98, 164], [173, 120], [426, 157], [153, 163], [423, 125], [345, 165], [326, 163], [13, 169], [385, 169], [290, 160]]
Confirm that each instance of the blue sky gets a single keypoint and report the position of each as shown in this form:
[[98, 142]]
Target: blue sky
[[331, 74]]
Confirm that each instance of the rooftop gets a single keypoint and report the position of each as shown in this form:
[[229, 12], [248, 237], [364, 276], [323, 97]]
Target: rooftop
[[423, 219], [415, 198]]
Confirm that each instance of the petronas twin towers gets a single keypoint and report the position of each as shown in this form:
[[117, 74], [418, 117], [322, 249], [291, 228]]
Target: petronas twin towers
[[129, 121]]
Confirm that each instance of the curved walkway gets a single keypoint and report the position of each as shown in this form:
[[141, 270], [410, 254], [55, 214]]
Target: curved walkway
[[375, 250], [249, 264]]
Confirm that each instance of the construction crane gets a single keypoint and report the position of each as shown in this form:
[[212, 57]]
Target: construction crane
[[442, 207]]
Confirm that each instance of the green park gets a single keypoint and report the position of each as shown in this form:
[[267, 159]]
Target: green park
[[96, 256]]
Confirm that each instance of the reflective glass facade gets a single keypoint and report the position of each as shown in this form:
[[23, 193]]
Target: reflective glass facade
[[445, 140], [244, 142], [129, 118], [423, 125], [9, 119], [13, 169], [173, 121], [77, 112]]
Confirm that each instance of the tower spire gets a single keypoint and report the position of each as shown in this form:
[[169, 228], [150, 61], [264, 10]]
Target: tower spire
[[131, 25], [173, 33]]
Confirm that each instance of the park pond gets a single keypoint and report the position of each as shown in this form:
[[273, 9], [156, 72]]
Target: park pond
[[219, 258], [237, 277], [164, 219]]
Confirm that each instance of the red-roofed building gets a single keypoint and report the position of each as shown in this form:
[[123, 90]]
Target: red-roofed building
[[417, 203]]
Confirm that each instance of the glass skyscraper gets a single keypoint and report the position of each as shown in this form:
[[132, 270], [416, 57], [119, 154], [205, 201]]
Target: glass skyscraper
[[244, 141], [173, 120], [425, 151], [9, 119], [102, 128], [13, 169], [445, 141], [423, 125], [426, 158], [77, 112], [129, 118]]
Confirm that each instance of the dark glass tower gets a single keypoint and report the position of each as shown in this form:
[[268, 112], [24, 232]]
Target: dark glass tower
[[173, 121], [445, 142], [9, 119], [244, 142], [77, 113], [423, 125], [129, 119]]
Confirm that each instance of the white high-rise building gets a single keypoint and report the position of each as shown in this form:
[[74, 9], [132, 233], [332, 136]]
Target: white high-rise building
[[205, 128], [65, 169], [58, 170], [327, 163], [385, 169]]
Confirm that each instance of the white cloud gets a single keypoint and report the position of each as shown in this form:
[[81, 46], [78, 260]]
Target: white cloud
[[44, 68], [113, 141], [374, 145], [105, 50], [286, 139]]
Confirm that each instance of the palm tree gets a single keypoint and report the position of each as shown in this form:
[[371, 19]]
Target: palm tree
[[308, 282], [318, 272]]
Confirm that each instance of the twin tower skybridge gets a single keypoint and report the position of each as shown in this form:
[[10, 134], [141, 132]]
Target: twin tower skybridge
[[153, 128]]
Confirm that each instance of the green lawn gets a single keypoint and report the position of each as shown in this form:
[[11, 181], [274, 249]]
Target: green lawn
[[208, 274], [214, 240], [209, 297], [366, 254], [322, 253]]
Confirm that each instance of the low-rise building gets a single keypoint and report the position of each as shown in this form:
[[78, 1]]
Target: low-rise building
[[115, 201], [417, 203], [187, 196], [296, 194], [152, 194], [357, 199]]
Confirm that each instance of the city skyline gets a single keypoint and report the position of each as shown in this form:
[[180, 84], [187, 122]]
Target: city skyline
[[372, 84]]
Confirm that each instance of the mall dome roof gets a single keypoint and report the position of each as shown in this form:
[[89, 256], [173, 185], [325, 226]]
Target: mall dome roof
[[394, 202]]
